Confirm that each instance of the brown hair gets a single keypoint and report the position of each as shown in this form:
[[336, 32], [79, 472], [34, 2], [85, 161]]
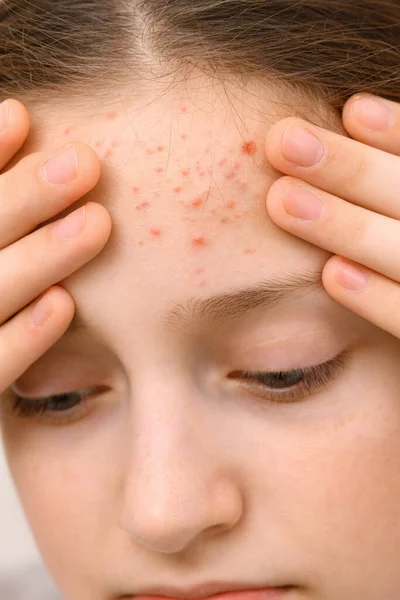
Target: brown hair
[[325, 49]]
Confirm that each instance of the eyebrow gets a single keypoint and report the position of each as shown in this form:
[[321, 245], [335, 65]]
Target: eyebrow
[[232, 305]]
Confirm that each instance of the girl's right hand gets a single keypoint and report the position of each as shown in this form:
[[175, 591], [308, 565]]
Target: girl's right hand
[[35, 313]]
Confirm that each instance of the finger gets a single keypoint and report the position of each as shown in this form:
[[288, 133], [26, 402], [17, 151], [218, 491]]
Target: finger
[[29, 200], [374, 121], [370, 295], [336, 225], [14, 129], [25, 338], [46, 257], [344, 167]]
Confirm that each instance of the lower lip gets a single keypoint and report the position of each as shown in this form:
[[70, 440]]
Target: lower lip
[[276, 593]]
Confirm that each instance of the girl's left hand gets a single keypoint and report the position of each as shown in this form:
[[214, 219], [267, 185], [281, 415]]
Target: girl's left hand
[[346, 199]]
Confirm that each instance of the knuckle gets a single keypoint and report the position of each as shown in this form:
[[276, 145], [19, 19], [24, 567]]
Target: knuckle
[[353, 237], [351, 180]]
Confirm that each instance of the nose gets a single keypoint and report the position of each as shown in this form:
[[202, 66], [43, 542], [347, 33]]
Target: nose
[[178, 485]]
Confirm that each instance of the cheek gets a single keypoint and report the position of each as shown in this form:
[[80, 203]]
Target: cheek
[[350, 484], [59, 481]]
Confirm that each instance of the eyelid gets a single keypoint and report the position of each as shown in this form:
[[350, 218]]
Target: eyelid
[[291, 338]]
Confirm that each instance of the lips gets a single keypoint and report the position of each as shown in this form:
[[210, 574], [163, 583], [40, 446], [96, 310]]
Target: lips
[[271, 593]]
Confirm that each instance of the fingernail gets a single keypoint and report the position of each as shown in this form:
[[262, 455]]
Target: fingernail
[[301, 147], [374, 114], [303, 204], [352, 278], [4, 115], [41, 311], [72, 225], [61, 168]]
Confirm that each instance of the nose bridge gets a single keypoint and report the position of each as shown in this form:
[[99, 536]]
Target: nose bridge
[[176, 484]]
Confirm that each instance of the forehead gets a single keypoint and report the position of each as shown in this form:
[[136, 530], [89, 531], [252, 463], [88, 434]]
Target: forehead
[[185, 180]]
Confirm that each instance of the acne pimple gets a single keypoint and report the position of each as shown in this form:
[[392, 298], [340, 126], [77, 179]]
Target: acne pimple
[[135, 189], [142, 205], [111, 116], [115, 144], [197, 202], [185, 172], [67, 131], [249, 148], [249, 251], [183, 136], [155, 232], [109, 154], [200, 271], [159, 170], [99, 143], [222, 162], [177, 190], [184, 109], [225, 221], [230, 204], [199, 242]]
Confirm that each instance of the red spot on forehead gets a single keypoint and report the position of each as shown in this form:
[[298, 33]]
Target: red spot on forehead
[[109, 153], [159, 170], [197, 202], [111, 116], [222, 162], [199, 242], [225, 220], [183, 136], [185, 172], [184, 109], [142, 205], [160, 148], [249, 148], [67, 131], [135, 189], [177, 190], [230, 204], [249, 251], [155, 232]]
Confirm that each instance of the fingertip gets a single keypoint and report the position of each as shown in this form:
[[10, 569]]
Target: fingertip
[[18, 127], [89, 163], [329, 274], [274, 138]]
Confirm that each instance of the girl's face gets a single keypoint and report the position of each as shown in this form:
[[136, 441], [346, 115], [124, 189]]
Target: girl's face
[[187, 463]]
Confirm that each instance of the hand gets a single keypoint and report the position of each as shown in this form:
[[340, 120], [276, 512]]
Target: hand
[[358, 219], [30, 263]]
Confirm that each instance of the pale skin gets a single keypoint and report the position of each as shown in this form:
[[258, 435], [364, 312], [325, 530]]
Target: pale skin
[[178, 470]]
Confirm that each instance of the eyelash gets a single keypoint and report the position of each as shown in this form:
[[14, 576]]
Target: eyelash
[[311, 379]]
